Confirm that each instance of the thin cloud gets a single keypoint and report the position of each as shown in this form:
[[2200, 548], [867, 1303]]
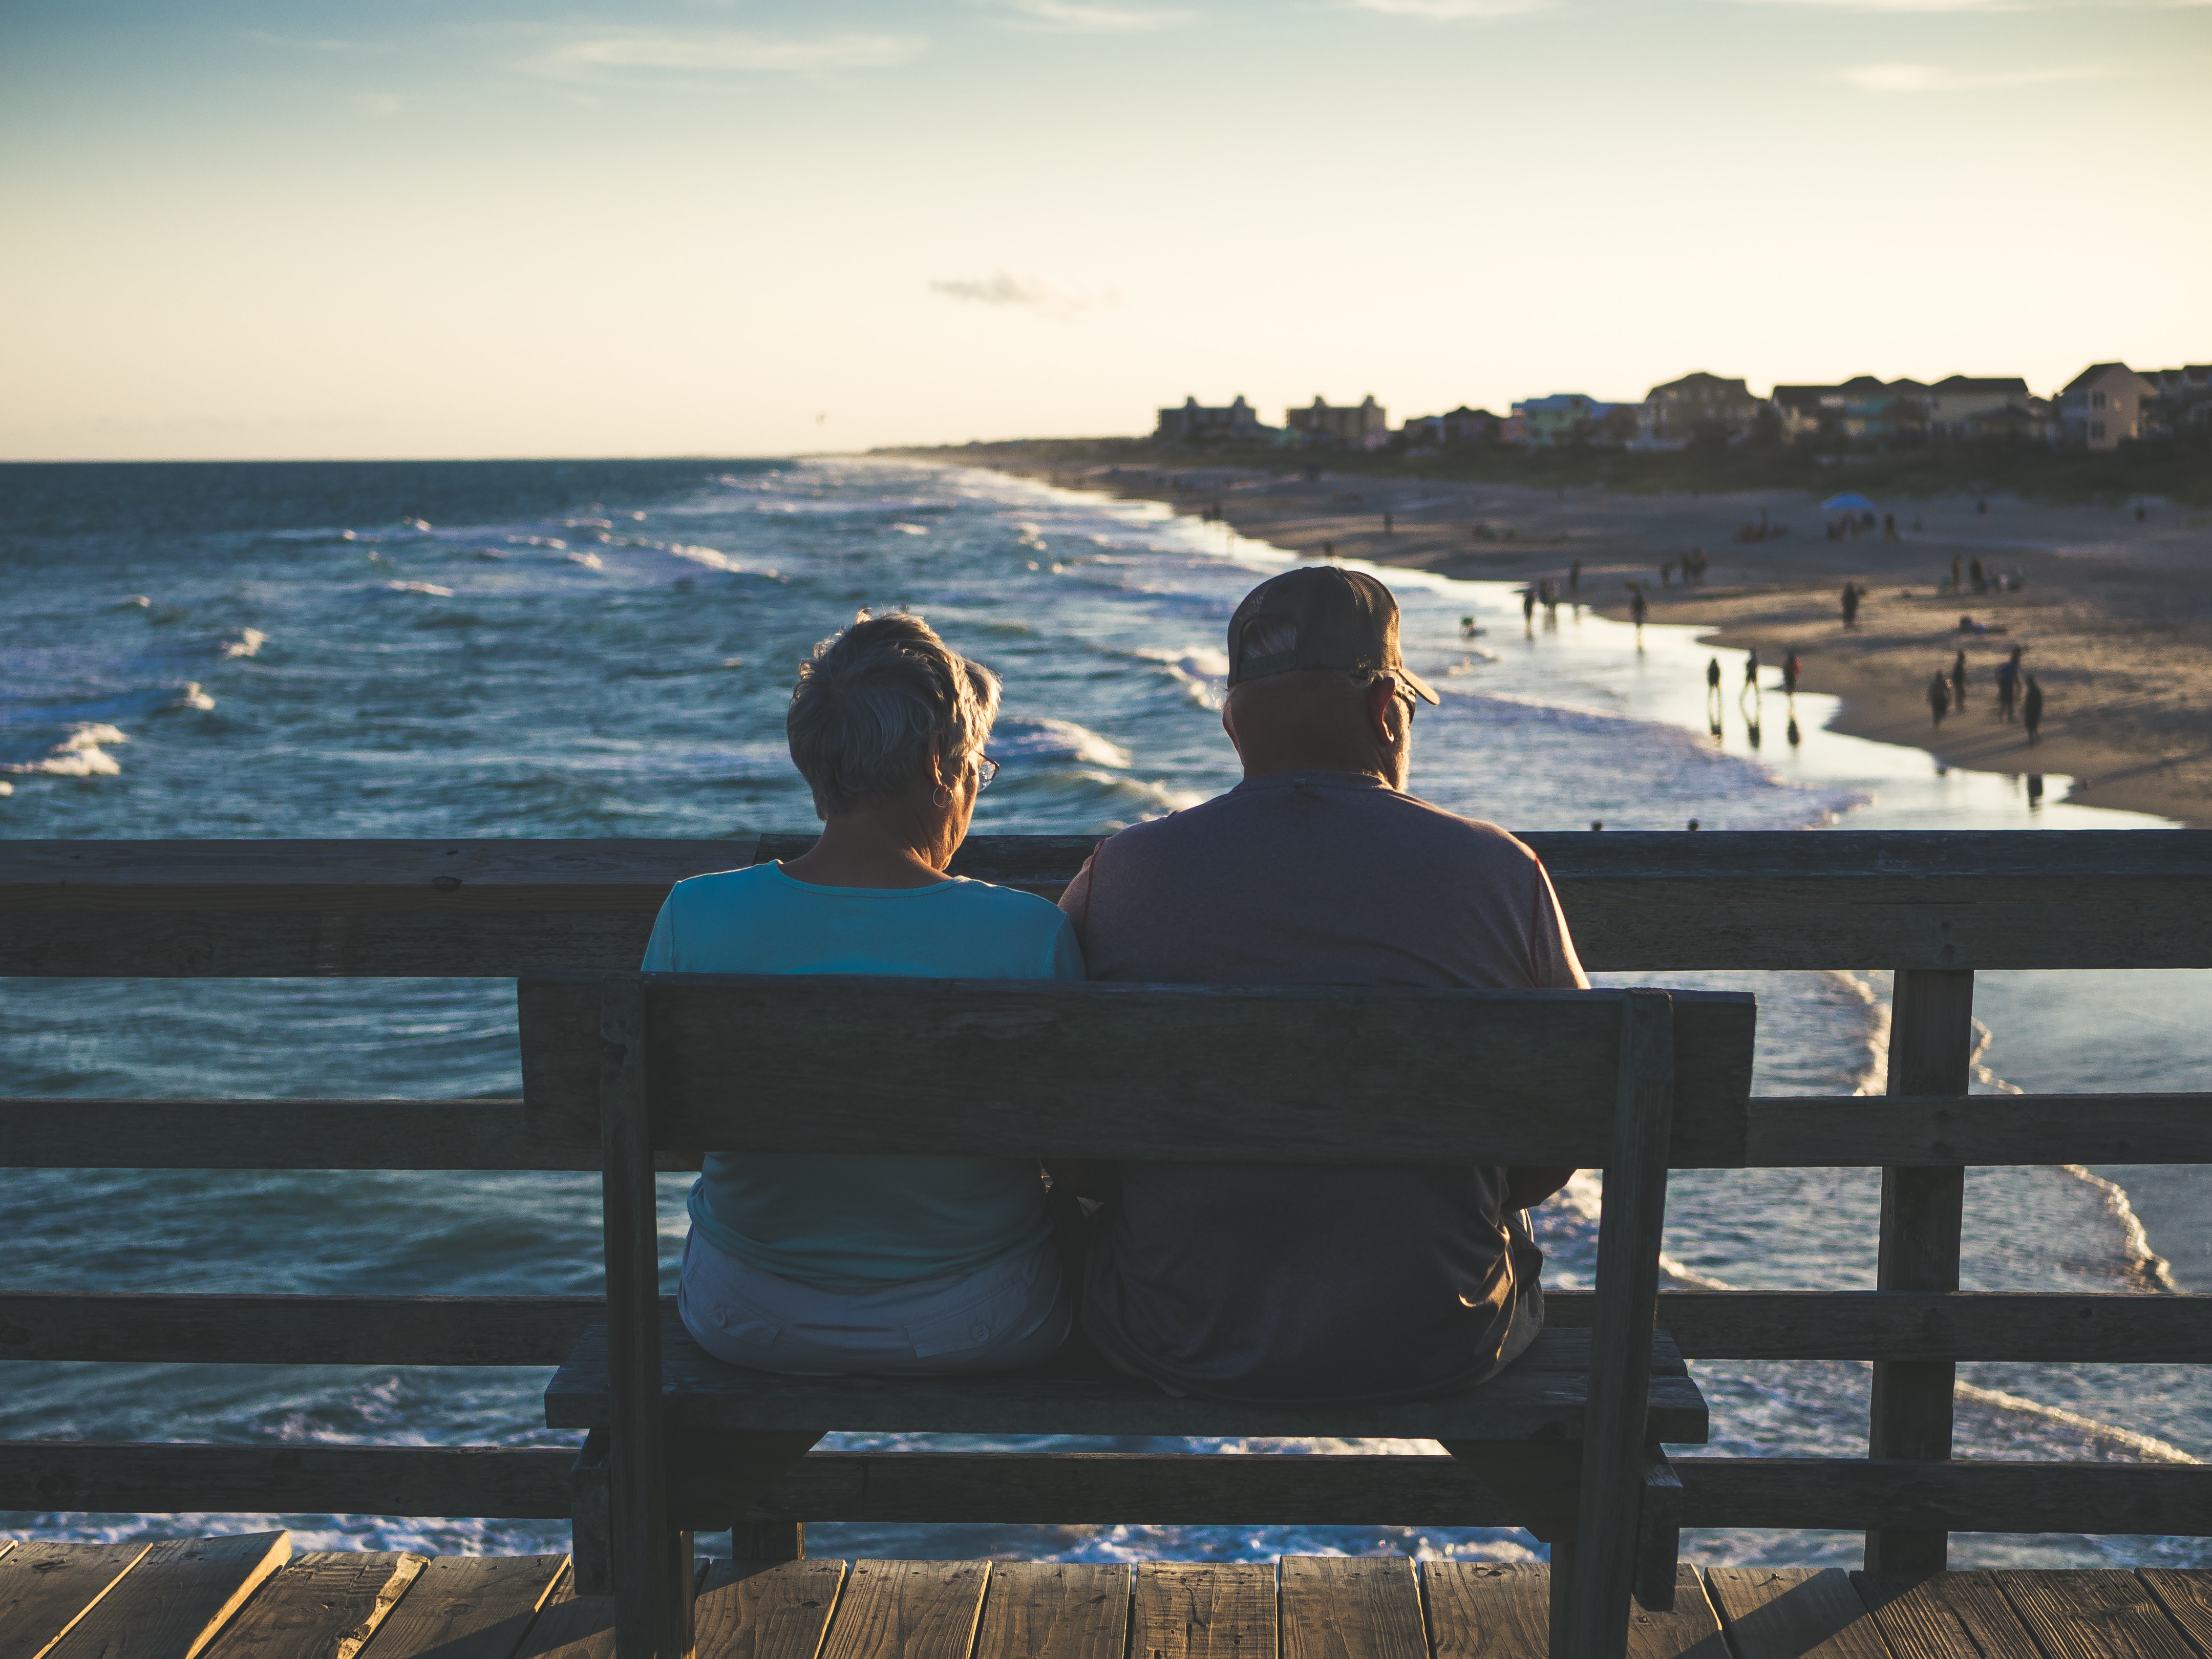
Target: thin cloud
[[265, 38], [1930, 77], [726, 53], [1087, 17], [1453, 11], [1003, 288]]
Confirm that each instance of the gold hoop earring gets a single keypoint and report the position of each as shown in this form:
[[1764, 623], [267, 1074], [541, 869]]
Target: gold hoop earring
[[941, 796]]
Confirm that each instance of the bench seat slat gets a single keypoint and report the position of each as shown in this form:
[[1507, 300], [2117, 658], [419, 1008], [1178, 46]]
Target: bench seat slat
[[1541, 1396]]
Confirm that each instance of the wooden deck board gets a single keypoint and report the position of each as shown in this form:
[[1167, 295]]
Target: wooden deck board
[[1795, 1613], [2093, 1615], [1488, 1609], [179, 1593], [780, 1613], [46, 1587], [1203, 1610], [325, 1604], [1055, 1610], [1359, 1606], [1944, 1615], [908, 1610], [469, 1606], [2187, 1599]]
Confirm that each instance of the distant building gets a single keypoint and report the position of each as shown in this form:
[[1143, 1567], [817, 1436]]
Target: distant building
[[1363, 426], [1463, 427], [2102, 407], [1965, 407], [2185, 400], [1807, 411], [1566, 417], [1195, 423], [1679, 411]]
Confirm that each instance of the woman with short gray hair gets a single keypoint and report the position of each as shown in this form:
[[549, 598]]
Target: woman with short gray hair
[[820, 1265]]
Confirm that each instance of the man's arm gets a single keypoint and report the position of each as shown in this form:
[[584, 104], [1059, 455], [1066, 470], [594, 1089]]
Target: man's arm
[[1553, 965]]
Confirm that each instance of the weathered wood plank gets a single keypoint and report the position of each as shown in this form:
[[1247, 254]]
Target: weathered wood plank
[[325, 1604], [934, 1066], [1054, 1610], [520, 1483], [46, 1587], [571, 1627], [1943, 1615], [64, 1134], [1849, 1131], [1359, 1606], [1488, 1609], [1795, 1613], [1203, 1610], [1840, 899], [1541, 1393], [2093, 1615], [468, 1607], [1956, 1497], [180, 1593], [906, 1610], [782, 1612], [2187, 1598], [2052, 1328]]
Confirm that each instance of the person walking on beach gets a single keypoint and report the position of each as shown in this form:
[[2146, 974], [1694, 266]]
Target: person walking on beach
[[1713, 694], [1850, 604], [1637, 606], [1529, 607], [1959, 681], [1790, 669], [1278, 1282], [2030, 709], [2008, 685], [1938, 696]]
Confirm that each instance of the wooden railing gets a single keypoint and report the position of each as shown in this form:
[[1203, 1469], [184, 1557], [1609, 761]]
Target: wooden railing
[[1934, 906]]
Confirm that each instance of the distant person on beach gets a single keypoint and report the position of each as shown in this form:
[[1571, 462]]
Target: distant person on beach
[[2031, 708], [1637, 606], [1751, 671], [1790, 670], [1850, 604], [1938, 696], [1293, 1283], [2008, 685], [825, 1266], [1528, 606], [1713, 694], [1959, 681]]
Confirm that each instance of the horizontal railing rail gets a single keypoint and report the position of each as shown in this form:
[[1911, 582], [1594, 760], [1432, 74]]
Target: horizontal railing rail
[[1940, 901], [1634, 901]]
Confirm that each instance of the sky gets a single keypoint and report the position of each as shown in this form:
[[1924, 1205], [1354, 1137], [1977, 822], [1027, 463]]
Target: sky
[[477, 227]]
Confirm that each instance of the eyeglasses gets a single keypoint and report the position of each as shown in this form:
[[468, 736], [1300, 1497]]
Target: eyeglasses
[[986, 769]]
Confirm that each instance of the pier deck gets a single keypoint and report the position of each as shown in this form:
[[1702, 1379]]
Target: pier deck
[[252, 1597]]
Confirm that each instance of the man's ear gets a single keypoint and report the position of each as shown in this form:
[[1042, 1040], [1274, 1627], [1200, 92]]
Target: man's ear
[[1382, 702]]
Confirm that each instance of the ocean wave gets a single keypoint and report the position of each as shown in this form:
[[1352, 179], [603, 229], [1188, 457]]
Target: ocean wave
[[589, 561], [911, 529], [249, 640], [430, 588], [78, 754], [189, 695], [1051, 739]]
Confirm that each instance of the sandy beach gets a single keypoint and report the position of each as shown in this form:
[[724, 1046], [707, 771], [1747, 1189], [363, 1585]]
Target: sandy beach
[[2115, 614]]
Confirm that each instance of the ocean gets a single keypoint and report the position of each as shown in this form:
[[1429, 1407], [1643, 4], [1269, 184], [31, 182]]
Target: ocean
[[603, 649]]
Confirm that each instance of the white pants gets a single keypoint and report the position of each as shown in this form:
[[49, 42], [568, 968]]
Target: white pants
[[1011, 1314]]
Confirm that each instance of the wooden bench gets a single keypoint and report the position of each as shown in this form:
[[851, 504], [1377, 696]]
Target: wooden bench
[[1631, 1081]]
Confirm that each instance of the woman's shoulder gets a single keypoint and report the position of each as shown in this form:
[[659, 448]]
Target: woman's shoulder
[[1009, 906], [722, 886]]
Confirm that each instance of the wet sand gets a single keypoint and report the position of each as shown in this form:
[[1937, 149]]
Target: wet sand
[[2115, 615]]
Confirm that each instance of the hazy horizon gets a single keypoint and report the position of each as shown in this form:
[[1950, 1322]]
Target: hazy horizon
[[245, 231]]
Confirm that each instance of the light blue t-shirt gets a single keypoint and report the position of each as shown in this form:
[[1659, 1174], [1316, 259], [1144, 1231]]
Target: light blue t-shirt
[[858, 1222]]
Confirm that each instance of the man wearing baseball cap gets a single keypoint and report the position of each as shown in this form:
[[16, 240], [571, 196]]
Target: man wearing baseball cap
[[1289, 1283]]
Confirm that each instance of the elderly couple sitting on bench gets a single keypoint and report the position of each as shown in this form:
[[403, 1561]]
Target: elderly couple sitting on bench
[[1249, 1283]]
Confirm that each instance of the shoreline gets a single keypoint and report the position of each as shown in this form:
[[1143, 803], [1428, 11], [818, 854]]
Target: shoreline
[[2116, 614]]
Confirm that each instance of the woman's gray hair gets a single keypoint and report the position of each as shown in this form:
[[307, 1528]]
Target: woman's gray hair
[[869, 701]]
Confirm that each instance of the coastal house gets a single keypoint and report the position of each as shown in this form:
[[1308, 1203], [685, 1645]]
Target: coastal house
[[1878, 411], [1566, 417], [1806, 411], [1365, 425], [1696, 404], [1461, 429], [1195, 423], [1968, 406], [2184, 401], [2102, 407]]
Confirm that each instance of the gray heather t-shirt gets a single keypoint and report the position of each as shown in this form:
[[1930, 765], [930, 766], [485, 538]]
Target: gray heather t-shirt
[[1278, 1282]]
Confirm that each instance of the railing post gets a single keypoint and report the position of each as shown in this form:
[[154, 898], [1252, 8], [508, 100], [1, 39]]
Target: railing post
[[1931, 1046]]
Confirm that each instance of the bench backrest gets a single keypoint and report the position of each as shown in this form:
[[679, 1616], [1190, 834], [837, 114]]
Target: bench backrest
[[1292, 1075]]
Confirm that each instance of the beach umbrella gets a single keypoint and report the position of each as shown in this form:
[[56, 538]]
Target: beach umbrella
[[1847, 504]]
